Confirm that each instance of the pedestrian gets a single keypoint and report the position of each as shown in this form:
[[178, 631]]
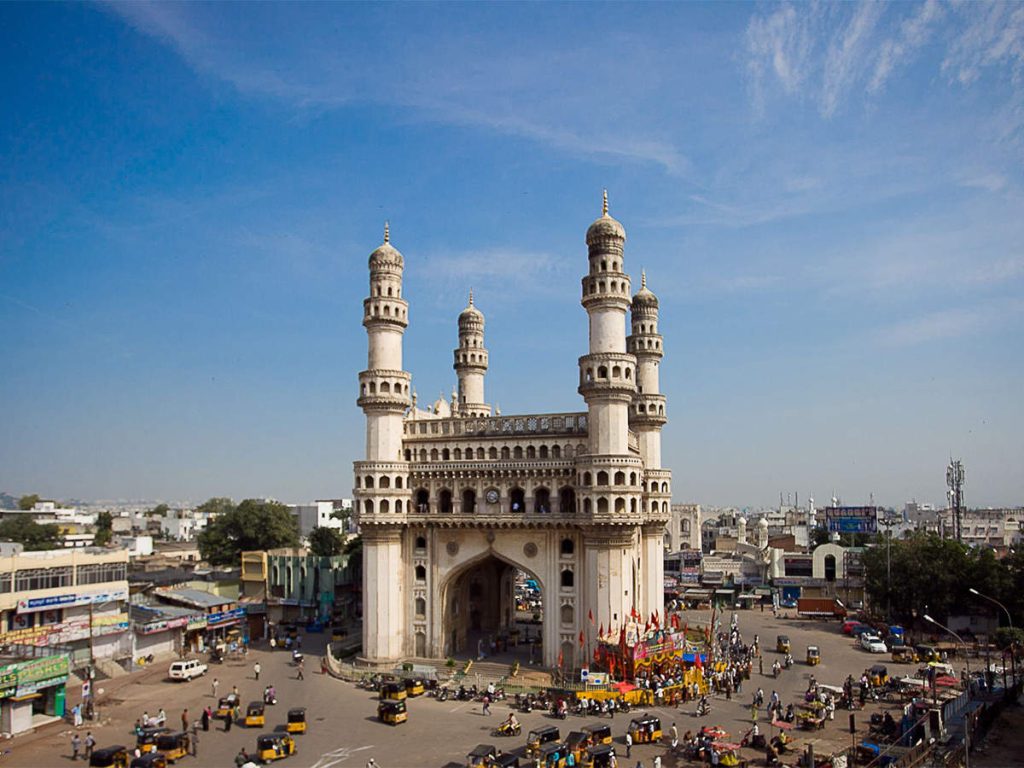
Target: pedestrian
[[215, 684], [760, 665], [206, 719], [228, 720], [302, 666], [234, 691], [675, 736], [273, 642], [184, 719], [371, 764], [76, 744], [298, 643], [90, 743], [487, 704], [629, 743], [657, 761], [256, 669], [195, 739]]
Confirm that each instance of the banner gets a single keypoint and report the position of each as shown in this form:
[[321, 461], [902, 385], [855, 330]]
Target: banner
[[66, 601], [851, 519]]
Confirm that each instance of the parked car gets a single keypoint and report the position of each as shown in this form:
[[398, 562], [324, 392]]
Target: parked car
[[186, 669], [862, 629], [849, 625], [872, 644]]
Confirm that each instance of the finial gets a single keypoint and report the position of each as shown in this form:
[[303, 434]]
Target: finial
[[643, 278], [471, 297], [604, 204], [387, 232]]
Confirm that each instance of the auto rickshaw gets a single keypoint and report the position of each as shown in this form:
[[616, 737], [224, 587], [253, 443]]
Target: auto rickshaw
[[173, 745], [878, 675], [146, 740], [296, 720], [927, 653], [813, 655], [645, 729], [577, 742], [394, 691], [109, 757], [274, 746], [538, 737], [149, 760], [599, 733], [254, 714], [553, 755], [598, 756], [481, 756], [227, 707], [414, 686], [392, 712], [782, 644], [505, 760], [904, 654]]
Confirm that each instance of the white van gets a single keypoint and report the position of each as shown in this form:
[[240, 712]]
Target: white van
[[186, 670]]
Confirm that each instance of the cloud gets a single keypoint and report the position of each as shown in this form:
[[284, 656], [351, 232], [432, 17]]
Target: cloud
[[993, 35], [944, 325], [913, 34], [844, 61]]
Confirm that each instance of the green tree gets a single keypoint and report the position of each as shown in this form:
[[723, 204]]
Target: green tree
[[819, 536], [160, 510], [253, 525], [218, 505], [326, 542], [104, 529], [29, 501], [27, 531]]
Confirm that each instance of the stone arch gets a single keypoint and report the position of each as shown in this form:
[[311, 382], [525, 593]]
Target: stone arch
[[632, 478], [369, 481], [567, 578], [479, 454], [492, 453], [602, 478], [505, 453], [517, 500], [567, 547], [567, 500], [543, 453], [421, 606], [531, 452], [542, 500], [469, 501], [446, 455], [602, 506], [445, 501], [368, 506], [620, 505], [385, 482], [385, 506], [398, 481], [587, 506], [586, 478], [556, 452], [567, 614], [421, 573], [517, 452], [620, 478], [422, 500], [433, 454], [421, 543]]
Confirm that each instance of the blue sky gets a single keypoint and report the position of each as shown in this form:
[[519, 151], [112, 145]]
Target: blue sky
[[826, 198]]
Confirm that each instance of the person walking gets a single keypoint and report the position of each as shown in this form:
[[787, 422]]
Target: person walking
[[302, 666], [184, 719], [228, 721], [215, 685], [90, 744], [487, 704], [206, 719], [657, 761], [256, 669], [76, 744], [629, 743], [675, 736]]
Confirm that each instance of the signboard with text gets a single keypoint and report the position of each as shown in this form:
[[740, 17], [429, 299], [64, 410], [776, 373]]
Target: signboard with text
[[67, 601], [851, 519]]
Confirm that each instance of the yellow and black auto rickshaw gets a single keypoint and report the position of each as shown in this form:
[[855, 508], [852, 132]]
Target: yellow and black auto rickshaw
[[414, 686], [274, 746], [109, 757], [392, 712], [254, 717], [553, 755], [146, 740], [149, 760], [598, 756], [782, 644], [878, 675], [599, 733], [645, 729], [927, 653], [577, 742], [904, 654], [227, 707], [538, 737], [296, 720], [174, 746], [506, 760], [481, 756], [394, 691], [813, 655]]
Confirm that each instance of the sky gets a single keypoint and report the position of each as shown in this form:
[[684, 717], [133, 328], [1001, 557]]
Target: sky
[[827, 199]]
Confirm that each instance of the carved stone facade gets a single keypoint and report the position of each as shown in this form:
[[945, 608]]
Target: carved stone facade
[[451, 500]]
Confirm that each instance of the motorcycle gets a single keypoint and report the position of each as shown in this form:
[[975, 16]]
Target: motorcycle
[[442, 694], [296, 657], [703, 707], [507, 729]]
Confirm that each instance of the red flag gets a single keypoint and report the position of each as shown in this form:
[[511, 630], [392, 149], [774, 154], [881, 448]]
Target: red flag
[[647, 628], [622, 637], [581, 638], [697, 662], [611, 666], [561, 659], [590, 615], [597, 657], [633, 614], [657, 624], [600, 632]]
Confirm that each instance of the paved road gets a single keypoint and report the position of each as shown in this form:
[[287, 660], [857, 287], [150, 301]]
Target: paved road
[[343, 730]]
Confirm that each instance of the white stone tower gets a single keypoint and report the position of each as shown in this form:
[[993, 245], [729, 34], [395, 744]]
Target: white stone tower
[[382, 497], [471, 363]]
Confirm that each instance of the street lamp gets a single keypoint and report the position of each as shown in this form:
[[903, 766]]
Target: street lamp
[[887, 522], [1009, 618], [967, 658]]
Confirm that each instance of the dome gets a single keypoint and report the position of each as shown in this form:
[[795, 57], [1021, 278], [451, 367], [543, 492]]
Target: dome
[[645, 297], [386, 254], [763, 523], [471, 312], [605, 226]]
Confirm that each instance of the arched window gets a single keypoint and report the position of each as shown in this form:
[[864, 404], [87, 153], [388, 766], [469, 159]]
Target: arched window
[[469, 501], [385, 506], [421, 606], [568, 614], [568, 547], [542, 501], [830, 567], [654, 507], [505, 452], [422, 500], [458, 454], [423, 454], [587, 507], [543, 452], [602, 478], [446, 455], [385, 388], [586, 478], [620, 506], [556, 452], [602, 372], [421, 542], [398, 507], [446, 501], [385, 482], [567, 578], [367, 507], [398, 481], [421, 573], [433, 454], [408, 455], [517, 500], [359, 481], [616, 372], [632, 478], [492, 452], [369, 481], [664, 487], [602, 506], [479, 454], [632, 506], [531, 452], [620, 478], [518, 452], [567, 501]]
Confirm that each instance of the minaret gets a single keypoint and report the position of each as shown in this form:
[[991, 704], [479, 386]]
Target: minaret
[[648, 412], [382, 492], [610, 476], [471, 362]]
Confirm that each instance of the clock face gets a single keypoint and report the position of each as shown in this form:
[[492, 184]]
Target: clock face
[[492, 496]]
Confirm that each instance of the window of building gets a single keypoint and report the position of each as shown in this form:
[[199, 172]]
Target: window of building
[[568, 547], [421, 606], [567, 578], [103, 572], [43, 578], [421, 573]]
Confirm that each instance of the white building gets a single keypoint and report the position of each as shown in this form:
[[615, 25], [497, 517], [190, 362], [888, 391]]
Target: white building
[[319, 514], [453, 500]]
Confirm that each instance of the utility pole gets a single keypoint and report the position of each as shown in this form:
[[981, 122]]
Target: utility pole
[[888, 521]]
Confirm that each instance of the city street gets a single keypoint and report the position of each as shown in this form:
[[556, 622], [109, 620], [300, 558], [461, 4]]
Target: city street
[[343, 730]]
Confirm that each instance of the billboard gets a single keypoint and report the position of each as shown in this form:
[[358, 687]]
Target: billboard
[[851, 519]]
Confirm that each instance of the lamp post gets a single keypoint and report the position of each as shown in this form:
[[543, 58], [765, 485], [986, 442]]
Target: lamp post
[[1009, 619], [887, 522], [967, 658]]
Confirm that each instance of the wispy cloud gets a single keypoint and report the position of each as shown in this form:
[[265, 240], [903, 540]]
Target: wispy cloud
[[992, 36], [844, 60], [956, 323], [912, 34]]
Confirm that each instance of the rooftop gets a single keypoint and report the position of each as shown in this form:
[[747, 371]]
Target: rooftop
[[194, 597]]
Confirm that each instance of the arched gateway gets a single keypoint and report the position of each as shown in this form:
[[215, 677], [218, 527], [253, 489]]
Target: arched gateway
[[452, 499]]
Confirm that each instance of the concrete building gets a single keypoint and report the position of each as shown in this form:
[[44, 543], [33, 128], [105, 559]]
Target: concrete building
[[71, 601], [319, 514], [683, 529], [453, 500]]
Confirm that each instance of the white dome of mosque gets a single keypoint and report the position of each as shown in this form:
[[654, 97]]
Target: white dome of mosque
[[471, 312], [386, 254], [605, 226], [645, 297]]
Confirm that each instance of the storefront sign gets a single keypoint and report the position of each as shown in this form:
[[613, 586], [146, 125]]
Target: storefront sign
[[151, 628], [8, 680], [196, 622], [225, 617], [42, 669], [24, 689], [66, 601], [68, 631]]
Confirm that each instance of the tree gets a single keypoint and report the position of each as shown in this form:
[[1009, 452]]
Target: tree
[[160, 510], [104, 529], [29, 501], [218, 505], [27, 531], [253, 525], [819, 536], [326, 542]]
